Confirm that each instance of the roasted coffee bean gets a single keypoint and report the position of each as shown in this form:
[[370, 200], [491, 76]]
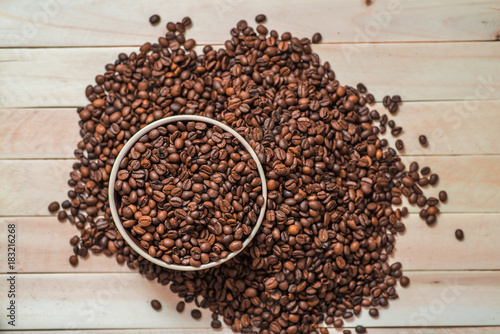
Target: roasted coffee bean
[[423, 140], [400, 145], [373, 312], [425, 171], [180, 307], [459, 234], [404, 281], [443, 196], [62, 215], [261, 18], [156, 305], [73, 260], [216, 324], [360, 329], [316, 38], [196, 314], [154, 19], [54, 207], [433, 179]]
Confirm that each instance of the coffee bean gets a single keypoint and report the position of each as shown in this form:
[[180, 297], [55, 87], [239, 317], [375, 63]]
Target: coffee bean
[[316, 38], [261, 18], [360, 329], [423, 140], [459, 234], [373, 312], [400, 145], [216, 324], [433, 180], [62, 215], [196, 314], [443, 196], [154, 19], [53, 207], [155, 304], [425, 171], [180, 307], [73, 260], [404, 281]]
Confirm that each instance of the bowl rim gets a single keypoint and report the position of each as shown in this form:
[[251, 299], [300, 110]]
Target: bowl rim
[[125, 150]]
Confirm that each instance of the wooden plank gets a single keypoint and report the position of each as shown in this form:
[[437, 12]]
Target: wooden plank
[[422, 71], [60, 301], [54, 132], [38, 133], [397, 330], [419, 248], [472, 183], [95, 23]]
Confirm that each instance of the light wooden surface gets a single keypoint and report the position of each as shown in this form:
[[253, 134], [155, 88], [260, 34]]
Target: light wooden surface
[[438, 55]]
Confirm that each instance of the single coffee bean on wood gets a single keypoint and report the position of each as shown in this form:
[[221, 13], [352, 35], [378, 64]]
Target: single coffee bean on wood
[[317, 38], [459, 234], [54, 207], [156, 305], [154, 19], [261, 18], [423, 140]]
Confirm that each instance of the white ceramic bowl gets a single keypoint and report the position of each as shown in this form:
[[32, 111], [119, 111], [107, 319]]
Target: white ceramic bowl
[[131, 241]]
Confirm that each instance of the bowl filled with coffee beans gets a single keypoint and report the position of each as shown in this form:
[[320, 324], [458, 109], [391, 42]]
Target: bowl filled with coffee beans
[[187, 192]]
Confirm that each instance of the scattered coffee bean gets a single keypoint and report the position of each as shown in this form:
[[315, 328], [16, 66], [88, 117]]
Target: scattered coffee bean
[[360, 329], [423, 140], [73, 260], [53, 207], [425, 171], [373, 312], [196, 314], [433, 179], [180, 307], [216, 324], [404, 281], [261, 18], [317, 38], [156, 305], [400, 145], [154, 19], [443, 196], [459, 234], [62, 215]]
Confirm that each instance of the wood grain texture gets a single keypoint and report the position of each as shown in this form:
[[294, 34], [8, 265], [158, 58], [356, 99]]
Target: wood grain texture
[[54, 132], [98, 23], [476, 176], [61, 301], [416, 71], [419, 248], [38, 133], [372, 330]]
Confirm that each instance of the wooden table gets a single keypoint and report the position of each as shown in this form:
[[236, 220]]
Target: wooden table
[[440, 56]]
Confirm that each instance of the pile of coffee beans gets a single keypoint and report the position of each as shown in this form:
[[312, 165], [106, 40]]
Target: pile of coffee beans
[[332, 219], [189, 193]]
